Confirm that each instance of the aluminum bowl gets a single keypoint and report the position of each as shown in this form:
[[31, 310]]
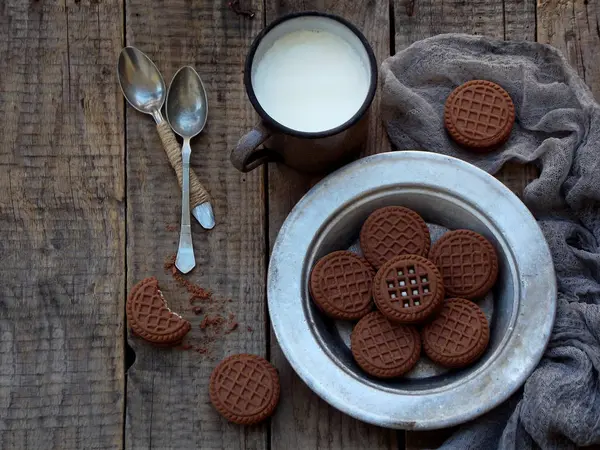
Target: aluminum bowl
[[452, 194]]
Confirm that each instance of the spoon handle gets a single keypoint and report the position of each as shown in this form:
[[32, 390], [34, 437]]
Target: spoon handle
[[185, 260], [198, 193]]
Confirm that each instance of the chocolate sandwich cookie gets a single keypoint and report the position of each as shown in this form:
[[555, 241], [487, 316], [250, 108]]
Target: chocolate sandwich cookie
[[244, 389], [340, 284], [393, 231], [408, 289], [384, 349], [479, 115], [468, 263], [149, 317], [458, 335]]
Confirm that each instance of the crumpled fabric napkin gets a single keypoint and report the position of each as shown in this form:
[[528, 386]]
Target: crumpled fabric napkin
[[558, 129]]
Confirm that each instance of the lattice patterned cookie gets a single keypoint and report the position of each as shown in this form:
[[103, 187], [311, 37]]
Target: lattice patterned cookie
[[149, 317], [384, 349], [244, 389], [468, 263], [393, 231], [408, 289], [340, 284], [479, 114], [458, 335]]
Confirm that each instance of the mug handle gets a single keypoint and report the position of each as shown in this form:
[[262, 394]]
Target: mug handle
[[246, 155]]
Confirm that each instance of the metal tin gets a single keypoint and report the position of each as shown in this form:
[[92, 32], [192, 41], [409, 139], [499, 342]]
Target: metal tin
[[452, 194]]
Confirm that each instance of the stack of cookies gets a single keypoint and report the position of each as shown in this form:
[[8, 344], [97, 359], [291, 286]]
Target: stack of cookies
[[407, 295]]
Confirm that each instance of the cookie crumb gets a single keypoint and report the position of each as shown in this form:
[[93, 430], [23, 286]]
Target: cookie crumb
[[231, 327], [170, 261], [211, 321], [216, 319], [236, 8], [184, 347], [194, 289], [200, 296]]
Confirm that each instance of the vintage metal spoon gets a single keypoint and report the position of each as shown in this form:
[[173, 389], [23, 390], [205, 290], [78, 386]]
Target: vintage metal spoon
[[187, 109], [144, 88]]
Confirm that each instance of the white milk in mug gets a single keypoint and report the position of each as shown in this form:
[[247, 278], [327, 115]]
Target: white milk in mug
[[311, 80]]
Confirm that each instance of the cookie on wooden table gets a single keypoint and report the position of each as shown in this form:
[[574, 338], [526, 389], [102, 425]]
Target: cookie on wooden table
[[149, 317], [408, 289], [479, 115], [384, 349], [340, 285], [244, 389], [458, 335], [468, 263], [393, 231]]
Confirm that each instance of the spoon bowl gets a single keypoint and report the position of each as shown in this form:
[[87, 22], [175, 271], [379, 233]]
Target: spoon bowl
[[187, 106], [141, 82]]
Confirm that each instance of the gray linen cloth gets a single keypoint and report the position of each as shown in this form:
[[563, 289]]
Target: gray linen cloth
[[558, 129]]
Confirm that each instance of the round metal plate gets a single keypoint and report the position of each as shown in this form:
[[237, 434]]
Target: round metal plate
[[452, 194]]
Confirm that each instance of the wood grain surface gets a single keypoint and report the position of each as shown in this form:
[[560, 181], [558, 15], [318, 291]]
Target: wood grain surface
[[420, 19], [89, 206], [167, 391], [61, 226], [573, 27]]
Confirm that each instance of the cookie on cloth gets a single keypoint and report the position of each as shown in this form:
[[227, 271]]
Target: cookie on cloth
[[479, 115]]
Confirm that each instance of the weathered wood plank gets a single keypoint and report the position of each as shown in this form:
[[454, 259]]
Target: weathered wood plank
[[167, 391], [62, 232], [303, 420], [573, 27], [519, 20], [419, 19]]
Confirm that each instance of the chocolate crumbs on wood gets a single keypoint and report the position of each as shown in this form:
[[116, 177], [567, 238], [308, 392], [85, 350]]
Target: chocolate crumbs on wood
[[194, 289], [236, 8], [231, 326], [210, 321], [217, 319]]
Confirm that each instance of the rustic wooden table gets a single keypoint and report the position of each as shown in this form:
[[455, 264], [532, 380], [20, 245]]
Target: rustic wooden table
[[88, 206]]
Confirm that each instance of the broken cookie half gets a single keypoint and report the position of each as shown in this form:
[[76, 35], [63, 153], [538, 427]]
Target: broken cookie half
[[150, 318]]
